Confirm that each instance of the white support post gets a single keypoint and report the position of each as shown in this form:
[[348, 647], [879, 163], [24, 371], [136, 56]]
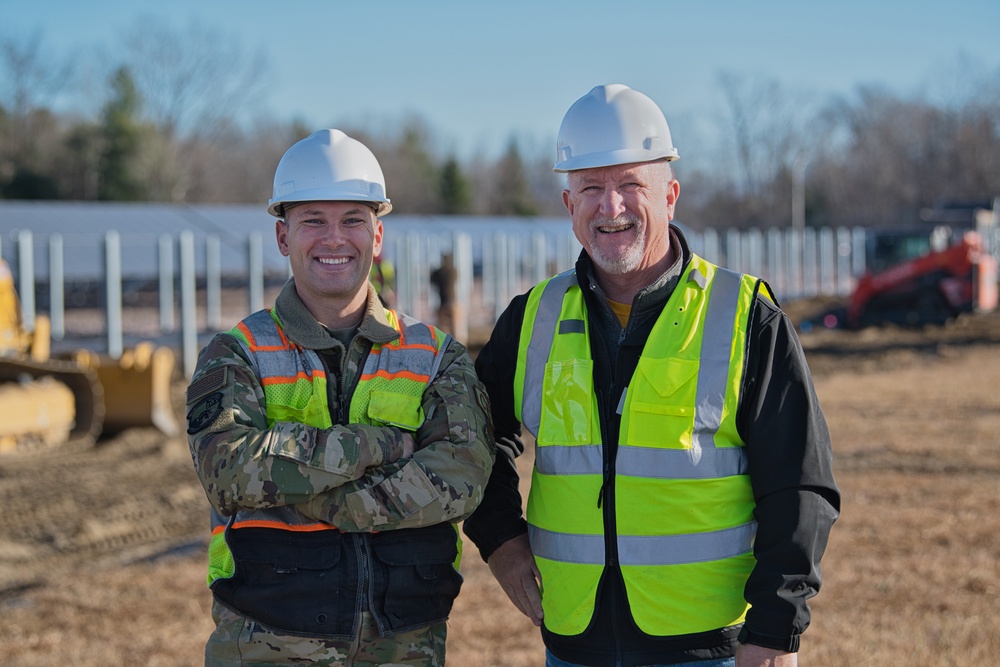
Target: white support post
[[57, 287], [113, 292], [26, 277], [255, 262], [166, 273], [189, 307], [213, 282]]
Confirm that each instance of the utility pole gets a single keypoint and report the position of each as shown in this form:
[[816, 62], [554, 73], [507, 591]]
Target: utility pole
[[799, 192]]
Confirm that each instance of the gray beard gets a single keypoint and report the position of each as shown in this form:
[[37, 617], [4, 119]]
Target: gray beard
[[628, 261]]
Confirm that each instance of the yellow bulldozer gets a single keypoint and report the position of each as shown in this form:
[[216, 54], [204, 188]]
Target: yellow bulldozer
[[76, 397]]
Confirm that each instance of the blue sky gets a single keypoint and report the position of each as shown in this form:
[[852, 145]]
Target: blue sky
[[479, 72]]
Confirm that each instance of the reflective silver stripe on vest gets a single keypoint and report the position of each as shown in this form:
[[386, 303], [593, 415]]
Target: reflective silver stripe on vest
[[407, 357], [543, 332], [216, 519], [275, 361], [438, 358], [645, 462], [644, 550], [713, 365]]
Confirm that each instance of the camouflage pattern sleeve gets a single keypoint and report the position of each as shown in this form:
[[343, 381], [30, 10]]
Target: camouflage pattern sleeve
[[245, 464], [445, 479]]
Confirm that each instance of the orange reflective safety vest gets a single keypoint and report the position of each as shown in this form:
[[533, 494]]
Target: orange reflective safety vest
[[682, 529], [389, 392]]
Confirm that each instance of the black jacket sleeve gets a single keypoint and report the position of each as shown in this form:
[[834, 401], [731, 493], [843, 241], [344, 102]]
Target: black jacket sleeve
[[499, 516], [790, 462]]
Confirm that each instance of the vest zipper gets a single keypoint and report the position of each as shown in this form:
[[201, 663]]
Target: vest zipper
[[606, 411], [366, 349], [610, 524], [365, 593], [605, 459]]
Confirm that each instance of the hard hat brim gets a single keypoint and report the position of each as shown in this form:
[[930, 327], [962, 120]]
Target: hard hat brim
[[276, 207], [614, 158]]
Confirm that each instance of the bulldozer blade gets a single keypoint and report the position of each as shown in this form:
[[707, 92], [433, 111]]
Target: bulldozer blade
[[136, 388], [88, 399]]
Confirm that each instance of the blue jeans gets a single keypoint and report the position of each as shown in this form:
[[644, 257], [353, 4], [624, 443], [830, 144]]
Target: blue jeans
[[552, 661]]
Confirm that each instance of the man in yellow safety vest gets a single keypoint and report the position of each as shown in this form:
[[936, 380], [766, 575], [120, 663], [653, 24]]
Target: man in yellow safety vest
[[339, 443], [682, 493]]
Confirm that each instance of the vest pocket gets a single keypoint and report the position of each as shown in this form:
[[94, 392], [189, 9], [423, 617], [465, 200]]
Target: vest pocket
[[421, 580], [285, 580], [567, 403], [394, 409], [661, 403]]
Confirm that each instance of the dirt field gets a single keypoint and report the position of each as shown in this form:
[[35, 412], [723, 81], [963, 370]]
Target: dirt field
[[102, 551]]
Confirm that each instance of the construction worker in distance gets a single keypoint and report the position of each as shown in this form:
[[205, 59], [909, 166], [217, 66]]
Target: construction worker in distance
[[383, 277], [682, 493], [339, 443]]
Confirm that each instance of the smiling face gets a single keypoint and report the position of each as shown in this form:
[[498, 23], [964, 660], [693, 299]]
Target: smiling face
[[330, 246], [621, 216]]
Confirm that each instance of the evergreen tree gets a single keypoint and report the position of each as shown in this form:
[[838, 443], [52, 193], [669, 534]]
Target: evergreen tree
[[81, 168], [512, 194], [121, 142], [456, 192]]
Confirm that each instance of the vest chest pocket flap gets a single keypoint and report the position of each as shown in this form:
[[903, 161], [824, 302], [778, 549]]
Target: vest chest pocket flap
[[395, 409], [661, 402]]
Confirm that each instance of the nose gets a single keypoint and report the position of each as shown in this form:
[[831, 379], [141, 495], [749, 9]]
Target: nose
[[612, 203], [334, 236]]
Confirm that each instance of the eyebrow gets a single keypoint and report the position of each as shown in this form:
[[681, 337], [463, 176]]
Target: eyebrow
[[316, 211]]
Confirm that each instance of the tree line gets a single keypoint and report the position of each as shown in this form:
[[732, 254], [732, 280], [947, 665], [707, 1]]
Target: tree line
[[159, 121]]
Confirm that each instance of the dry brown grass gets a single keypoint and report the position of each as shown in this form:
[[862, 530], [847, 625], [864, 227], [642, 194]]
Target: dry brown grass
[[911, 573]]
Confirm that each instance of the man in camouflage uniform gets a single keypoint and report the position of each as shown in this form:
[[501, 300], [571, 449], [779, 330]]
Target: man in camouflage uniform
[[338, 442]]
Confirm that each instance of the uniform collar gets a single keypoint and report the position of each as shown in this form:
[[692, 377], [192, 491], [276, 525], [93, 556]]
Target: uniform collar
[[303, 329]]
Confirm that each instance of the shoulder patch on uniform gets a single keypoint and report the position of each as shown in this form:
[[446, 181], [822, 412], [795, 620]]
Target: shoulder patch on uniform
[[204, 413], [211, 381]]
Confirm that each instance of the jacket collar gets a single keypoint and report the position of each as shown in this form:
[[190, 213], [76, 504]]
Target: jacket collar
[[303, 329]]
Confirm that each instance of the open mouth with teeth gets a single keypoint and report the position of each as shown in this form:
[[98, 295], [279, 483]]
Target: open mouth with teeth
[[329, 261], [614, 229]]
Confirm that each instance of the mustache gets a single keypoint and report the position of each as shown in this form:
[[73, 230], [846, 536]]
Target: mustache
[[623, 219]]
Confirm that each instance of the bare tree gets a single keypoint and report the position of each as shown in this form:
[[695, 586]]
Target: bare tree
[[767, 129], [410, 164], [195, 83], [242, 168], [30, 78], [195, 80]]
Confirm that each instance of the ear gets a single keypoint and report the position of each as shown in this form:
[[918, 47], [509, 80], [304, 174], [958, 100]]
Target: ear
[[568, 202], [281, 235], [673, 192], [377, 240]]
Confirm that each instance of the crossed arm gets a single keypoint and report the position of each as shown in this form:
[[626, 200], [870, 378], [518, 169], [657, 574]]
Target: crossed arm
[[358, 477]]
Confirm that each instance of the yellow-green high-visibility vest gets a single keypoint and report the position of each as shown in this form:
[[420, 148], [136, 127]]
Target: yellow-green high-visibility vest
[[683, 505], [389, 392]]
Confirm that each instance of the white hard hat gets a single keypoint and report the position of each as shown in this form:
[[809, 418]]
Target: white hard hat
[[612, 124], [328, 166]]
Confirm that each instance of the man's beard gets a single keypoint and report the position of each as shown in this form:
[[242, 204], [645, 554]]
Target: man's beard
[[620, 263]]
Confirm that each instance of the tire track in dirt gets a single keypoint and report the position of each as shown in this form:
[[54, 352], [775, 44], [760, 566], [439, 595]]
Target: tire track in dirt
[[128, 498]]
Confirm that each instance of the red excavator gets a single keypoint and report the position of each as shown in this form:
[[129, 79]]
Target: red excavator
[[930, 288]]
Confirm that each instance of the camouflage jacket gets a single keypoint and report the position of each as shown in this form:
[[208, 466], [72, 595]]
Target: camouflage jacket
[[394, 551], [336, 475]]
